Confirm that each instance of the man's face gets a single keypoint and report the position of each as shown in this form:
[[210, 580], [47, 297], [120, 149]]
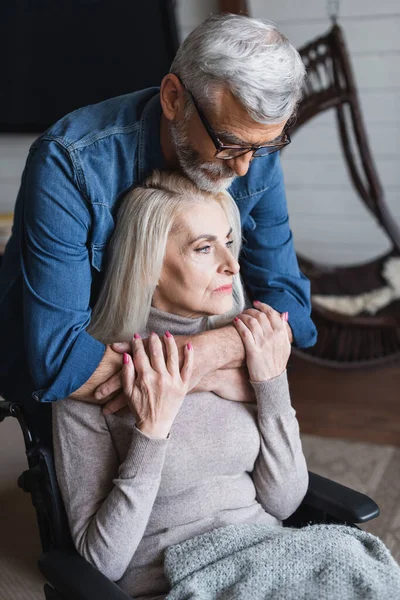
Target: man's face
[[234, 127]]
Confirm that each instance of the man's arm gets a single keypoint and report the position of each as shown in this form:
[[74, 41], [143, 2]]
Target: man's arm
[[229, 384], [219, 368], [55, 228], [110, 365], [268, 260], [213, 350]]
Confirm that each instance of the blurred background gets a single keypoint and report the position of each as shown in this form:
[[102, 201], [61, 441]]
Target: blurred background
[[343, 198]]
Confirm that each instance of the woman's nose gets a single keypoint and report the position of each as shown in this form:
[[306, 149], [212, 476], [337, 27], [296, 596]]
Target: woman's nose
[[229, 264], [241, 164]]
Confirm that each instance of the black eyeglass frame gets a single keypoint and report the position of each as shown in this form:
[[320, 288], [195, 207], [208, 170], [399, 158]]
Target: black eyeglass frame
[[220, 147]]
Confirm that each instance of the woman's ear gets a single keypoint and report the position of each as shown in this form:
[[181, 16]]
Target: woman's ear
[[172, 97]]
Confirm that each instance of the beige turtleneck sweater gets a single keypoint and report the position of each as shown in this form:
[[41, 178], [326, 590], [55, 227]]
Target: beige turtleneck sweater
[[128, 496]]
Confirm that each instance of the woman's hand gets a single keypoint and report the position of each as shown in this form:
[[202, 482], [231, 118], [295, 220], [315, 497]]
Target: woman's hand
[[154, 386], [266, 341]]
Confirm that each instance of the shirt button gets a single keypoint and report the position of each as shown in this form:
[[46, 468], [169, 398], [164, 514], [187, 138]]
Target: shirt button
[[36, 397]]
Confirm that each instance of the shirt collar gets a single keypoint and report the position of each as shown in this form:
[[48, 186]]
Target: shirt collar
[[150, 155]]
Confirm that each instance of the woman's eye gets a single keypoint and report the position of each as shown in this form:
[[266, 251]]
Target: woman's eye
[[229, 244], [204, 249]]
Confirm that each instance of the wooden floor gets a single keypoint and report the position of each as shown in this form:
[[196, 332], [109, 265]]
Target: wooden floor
[[361, 405]]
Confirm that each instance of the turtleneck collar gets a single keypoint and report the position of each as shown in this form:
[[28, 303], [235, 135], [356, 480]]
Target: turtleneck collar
[[160, 322]]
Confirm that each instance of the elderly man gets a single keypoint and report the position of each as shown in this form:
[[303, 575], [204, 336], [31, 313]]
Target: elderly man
[[221, 116]]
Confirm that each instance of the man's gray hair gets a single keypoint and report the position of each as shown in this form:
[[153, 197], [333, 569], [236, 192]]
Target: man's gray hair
[[251, 58]]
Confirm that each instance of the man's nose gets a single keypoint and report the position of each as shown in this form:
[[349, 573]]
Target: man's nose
[[241, 164]]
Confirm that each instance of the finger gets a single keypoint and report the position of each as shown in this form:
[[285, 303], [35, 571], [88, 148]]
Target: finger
[[255, 326], [109, 387], [260, 316], [253, 312], [273, 316], [114, 405], [245, 334], [172, 354], [121, 347], [140, 359], [289, 330], [188, 363], [128, 376], [157, 359]]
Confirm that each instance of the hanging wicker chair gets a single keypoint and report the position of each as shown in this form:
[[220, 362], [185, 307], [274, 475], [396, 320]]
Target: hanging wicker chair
[[362, 340]]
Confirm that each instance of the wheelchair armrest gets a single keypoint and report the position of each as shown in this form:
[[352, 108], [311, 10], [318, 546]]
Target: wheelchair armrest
[[339, 501], [76, 579]]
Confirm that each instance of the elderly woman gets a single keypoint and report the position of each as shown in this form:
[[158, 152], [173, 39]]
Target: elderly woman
[[176, 465]]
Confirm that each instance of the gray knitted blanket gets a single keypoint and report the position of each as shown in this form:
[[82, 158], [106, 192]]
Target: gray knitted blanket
[[251, 562]]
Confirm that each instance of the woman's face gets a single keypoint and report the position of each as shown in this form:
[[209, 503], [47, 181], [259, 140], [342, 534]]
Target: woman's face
[[196, 278]]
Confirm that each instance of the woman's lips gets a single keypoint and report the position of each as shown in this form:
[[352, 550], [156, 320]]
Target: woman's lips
[[224, 288]]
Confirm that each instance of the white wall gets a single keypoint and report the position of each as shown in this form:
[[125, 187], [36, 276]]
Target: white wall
[[328, 221], [190, 13]]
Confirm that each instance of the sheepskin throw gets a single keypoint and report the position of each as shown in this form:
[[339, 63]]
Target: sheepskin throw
[[369, 302]]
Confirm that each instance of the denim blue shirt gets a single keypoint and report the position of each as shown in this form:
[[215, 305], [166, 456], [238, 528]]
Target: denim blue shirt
[[75, 176]]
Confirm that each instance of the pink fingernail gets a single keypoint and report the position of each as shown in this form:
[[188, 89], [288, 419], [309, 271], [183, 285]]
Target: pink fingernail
[[256, 302], [126, 358], [168, 334], [236, 319], [136, 336], [189, 346], [286, 316]]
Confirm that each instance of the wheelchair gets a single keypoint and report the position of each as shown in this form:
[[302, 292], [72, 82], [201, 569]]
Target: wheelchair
[[70, 577]]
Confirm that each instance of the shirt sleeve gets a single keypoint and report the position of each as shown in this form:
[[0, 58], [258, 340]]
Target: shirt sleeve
[[280, 473], [268, 261], [56, 275], [108, 504]]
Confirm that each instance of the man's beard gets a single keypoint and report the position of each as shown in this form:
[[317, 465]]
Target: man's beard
[[195, 168]]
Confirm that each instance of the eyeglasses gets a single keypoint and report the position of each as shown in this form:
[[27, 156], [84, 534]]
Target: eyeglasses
[[227, 152]]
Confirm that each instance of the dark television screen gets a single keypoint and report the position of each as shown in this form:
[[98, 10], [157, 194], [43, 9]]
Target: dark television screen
[[59, 55]]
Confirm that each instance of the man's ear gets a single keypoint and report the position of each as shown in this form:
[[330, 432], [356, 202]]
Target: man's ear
[[172, 97]]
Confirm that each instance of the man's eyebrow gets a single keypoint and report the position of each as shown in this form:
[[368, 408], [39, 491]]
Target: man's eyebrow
[[230, 138], [208, 236]]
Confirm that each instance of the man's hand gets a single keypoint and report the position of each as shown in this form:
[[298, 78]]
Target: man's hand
[[107, 371], [230, 384]]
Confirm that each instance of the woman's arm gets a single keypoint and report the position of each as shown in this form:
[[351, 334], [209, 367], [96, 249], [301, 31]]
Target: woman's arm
[[108, 504], [280, 472]]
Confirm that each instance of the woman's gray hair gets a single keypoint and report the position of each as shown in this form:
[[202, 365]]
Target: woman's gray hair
[[147, 215], [251, 58]]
